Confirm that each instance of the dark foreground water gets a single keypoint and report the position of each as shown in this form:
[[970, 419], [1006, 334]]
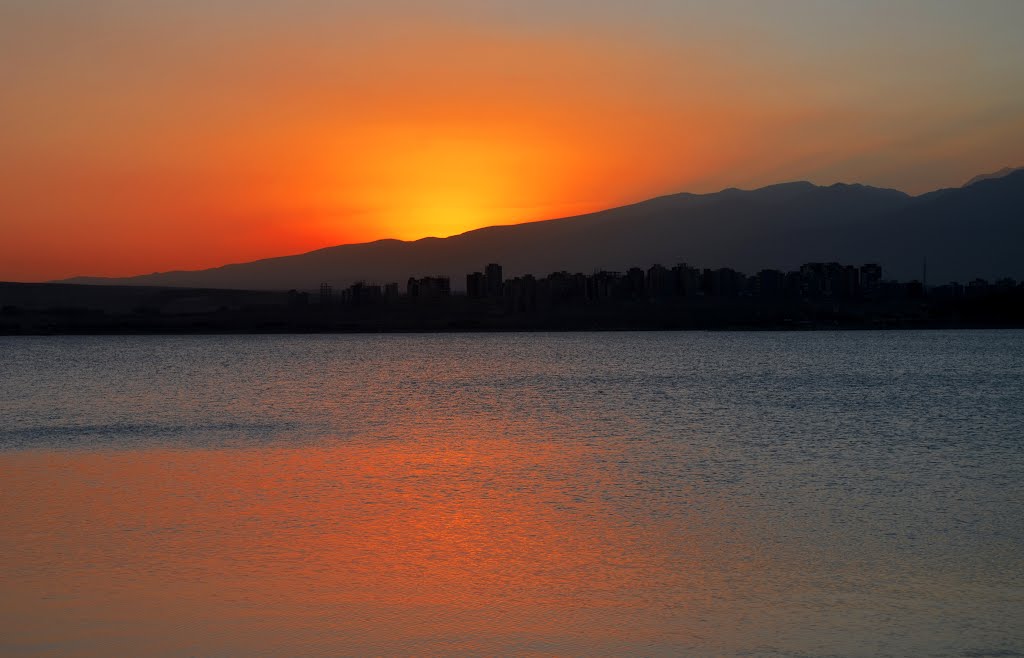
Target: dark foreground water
[[786, 494]]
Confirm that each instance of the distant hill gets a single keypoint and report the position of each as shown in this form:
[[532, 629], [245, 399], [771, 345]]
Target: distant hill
[[977, 230], [1005, 171]]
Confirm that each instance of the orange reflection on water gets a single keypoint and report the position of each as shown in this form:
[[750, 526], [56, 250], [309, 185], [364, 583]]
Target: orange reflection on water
[[421, 546]]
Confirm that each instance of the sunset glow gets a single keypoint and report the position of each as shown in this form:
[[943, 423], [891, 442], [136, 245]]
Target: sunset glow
[[142, 137], [442, 184]]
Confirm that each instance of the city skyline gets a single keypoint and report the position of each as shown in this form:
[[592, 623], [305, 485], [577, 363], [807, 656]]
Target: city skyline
[[818, 295]]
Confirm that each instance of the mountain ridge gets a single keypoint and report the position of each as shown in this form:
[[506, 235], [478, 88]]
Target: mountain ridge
[[1005, 171], [775, 226]]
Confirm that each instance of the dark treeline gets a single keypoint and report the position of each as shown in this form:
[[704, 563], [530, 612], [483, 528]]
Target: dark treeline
[[818, 295]]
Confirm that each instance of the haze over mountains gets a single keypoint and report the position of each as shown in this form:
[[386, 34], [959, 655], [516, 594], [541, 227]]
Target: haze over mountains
[[968, 232]]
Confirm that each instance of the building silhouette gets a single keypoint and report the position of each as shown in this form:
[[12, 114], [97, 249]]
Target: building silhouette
[[429, 287], [476, 285], [494, 280], [815, 295]]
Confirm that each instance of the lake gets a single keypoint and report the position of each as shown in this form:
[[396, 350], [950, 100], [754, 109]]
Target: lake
[[778, 494]]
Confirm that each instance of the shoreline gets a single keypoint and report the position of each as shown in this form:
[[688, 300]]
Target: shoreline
[[511, 330]]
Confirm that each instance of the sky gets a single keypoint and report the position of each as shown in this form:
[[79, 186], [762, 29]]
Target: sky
[[142, 135]]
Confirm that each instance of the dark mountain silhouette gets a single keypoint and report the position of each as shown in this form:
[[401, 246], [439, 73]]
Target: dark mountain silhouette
[[1005, 171], [977, 230]]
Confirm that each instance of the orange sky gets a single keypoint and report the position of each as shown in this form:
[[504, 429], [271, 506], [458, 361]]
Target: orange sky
[[141, 137]]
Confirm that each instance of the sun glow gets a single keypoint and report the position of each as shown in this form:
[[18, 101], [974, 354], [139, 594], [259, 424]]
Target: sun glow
[[449, 186], [442, 185]]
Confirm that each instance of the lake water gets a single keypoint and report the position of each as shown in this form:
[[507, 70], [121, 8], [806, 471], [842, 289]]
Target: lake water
[[791, 494]]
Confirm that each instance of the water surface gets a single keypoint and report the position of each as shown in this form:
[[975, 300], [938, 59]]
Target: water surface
[[647, 493]]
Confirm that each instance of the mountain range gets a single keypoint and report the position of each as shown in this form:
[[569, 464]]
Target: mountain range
[[967, 232]]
